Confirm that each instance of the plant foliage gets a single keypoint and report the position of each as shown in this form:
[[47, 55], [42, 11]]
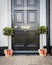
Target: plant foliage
[[8, 31], [41, 30]]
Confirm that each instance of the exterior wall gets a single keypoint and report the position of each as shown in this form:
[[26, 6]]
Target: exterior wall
[[9, 19], [3, 22], [5, 19]]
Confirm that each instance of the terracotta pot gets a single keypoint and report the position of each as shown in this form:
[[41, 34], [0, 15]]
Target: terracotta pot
[[42, 52], [8, 52]]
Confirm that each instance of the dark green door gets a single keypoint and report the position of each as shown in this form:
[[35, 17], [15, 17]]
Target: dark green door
[[25, 20]]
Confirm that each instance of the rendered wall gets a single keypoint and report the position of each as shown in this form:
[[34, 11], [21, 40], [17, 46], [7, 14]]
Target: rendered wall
[[3, 22]]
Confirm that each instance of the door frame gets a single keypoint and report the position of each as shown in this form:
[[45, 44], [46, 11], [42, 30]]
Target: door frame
[[48, 25]]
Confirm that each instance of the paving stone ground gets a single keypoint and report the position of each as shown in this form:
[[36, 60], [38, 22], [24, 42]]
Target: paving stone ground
[[26, 60]]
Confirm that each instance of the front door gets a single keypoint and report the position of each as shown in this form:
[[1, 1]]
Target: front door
[[25, 20]]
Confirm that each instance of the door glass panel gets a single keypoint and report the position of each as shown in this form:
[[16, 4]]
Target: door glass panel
[[19, 3], [19, 17], [32, 16], [32, 2]]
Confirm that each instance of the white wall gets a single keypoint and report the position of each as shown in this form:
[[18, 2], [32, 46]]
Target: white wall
[[51, 22], [3, 22]]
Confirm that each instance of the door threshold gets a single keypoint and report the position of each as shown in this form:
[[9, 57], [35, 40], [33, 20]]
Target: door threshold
[[26, 52]]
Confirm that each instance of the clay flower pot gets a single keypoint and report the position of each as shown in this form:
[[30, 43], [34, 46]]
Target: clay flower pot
[[8, 52], [42, 52]]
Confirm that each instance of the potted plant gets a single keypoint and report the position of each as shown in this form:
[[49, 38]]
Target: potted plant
[[42, 30], [8, 31]]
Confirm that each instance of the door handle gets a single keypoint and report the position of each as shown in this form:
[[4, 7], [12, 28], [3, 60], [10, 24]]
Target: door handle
[[25, 27]]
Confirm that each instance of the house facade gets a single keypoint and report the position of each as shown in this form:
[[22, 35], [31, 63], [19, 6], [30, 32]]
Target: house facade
[[24, 16]]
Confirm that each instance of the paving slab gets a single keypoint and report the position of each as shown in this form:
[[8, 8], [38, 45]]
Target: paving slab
[[26, 60]]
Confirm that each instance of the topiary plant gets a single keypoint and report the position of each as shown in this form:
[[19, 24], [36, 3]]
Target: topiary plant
[[41, 30], [8, 31]]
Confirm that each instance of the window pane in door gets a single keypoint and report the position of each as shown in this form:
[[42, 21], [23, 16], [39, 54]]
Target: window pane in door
[[19, 17], [32, 16], [19, 3], [32, 2]]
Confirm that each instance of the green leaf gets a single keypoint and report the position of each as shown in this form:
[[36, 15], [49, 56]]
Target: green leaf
[[8, 31], [41, 30]]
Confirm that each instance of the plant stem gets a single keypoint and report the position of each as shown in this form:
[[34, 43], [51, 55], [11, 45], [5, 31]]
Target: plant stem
[[42, 40], [8, 42]]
